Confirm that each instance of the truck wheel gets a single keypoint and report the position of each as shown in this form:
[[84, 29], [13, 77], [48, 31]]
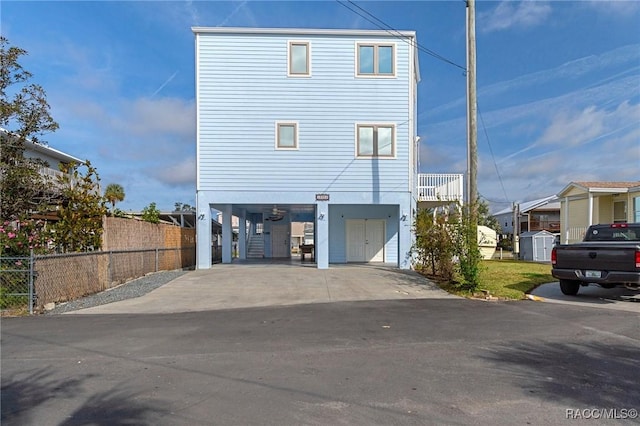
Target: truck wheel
[[570, 288]]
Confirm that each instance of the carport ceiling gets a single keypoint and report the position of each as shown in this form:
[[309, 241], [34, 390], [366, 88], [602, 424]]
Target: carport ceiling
[[293, 209]]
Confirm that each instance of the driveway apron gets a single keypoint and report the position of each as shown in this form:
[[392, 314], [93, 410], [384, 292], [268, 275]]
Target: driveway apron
[[242, 286]]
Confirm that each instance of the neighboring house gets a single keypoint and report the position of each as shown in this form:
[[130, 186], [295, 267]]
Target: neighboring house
[[52, 159], [537, 215], [588, 203], [300, 125]]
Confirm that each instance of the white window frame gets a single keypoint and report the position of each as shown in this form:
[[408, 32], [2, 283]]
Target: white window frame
[[375, 125], [295, 136], [290, 73], [376, 45]]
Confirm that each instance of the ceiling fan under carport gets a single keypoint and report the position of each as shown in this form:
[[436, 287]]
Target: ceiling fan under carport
[[276, 214]]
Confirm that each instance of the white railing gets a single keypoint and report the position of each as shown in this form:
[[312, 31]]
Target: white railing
[[440, 187], [576, 234], [46, 171]]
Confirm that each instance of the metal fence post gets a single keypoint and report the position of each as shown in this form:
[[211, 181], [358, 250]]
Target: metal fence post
[[31, 292], [157, 259]]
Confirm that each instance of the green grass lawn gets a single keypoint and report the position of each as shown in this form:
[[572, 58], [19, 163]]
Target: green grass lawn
[[507, 279]]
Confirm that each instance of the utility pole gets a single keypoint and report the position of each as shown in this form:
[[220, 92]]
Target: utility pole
[[472, 106]]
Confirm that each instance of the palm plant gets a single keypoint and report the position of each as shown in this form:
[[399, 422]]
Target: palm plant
[[113, 192]]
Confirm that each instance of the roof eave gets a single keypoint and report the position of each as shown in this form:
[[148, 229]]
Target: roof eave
[[299, 31]]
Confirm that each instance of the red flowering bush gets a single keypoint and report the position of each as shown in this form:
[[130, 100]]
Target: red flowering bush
[[18, 238]]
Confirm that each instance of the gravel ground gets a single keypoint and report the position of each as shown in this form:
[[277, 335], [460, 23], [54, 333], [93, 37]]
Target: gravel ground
[[135, 288]]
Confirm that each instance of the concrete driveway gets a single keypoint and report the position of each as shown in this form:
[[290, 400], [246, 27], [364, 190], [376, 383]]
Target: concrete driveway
[[593, 295], [253, 285]]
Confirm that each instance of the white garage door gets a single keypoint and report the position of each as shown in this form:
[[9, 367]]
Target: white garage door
[[365, 240]]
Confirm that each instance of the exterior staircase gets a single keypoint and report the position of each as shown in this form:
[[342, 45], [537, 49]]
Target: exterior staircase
[[255, 247]]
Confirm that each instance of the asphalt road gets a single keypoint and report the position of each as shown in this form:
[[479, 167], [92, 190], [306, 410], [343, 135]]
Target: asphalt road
[[593, 295], [400, 362]]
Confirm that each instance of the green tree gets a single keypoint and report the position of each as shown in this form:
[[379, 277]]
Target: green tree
[[485, 218], [151, 213], [113, 193], [466, 248], [434, 243], [24, 113], [80, 217], [180, 207], [446, 242]]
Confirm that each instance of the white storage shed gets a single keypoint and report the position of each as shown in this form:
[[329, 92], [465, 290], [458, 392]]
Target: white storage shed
[[536, 246]]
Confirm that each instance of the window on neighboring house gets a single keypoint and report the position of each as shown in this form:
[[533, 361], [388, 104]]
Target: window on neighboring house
[[286, 135], [636, 203], [376, 60], [299, 58], [375, 140], [619, 211]]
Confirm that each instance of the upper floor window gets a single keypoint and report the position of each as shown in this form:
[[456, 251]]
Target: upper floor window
[[376, 60], [286, 135], [299, 58], [375, 140]]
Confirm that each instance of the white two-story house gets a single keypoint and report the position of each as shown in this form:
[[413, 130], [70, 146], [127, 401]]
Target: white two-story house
[[300, 125]]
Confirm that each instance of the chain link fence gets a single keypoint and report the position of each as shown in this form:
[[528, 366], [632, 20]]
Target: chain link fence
[[16, 284], [64, 277]]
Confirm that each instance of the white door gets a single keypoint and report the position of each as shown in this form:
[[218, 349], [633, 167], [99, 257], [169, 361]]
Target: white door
[[355, 240], [280, 241], [365, 240], [374, 240]]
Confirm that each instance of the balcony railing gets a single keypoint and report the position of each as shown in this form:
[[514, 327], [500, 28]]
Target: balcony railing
[[440, 187]]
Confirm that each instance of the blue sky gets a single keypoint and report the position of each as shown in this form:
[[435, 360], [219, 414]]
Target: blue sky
[[558, 86]]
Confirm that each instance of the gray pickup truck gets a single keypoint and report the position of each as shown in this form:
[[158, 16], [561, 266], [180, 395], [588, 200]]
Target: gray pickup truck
[[608, 256]]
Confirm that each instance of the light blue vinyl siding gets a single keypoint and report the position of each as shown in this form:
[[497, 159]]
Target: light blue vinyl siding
[[243, 90]]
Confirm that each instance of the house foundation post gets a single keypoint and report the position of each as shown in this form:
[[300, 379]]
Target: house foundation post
[[242, 235], [203, 236], [227, 234], [322, 236]]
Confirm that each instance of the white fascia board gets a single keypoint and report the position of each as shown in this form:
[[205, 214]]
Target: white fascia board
[[609, 190], [568, 187], [38, 147], [53, 152], [302, 31]]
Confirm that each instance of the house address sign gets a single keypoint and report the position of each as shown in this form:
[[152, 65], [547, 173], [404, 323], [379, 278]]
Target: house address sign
[[322, 197]]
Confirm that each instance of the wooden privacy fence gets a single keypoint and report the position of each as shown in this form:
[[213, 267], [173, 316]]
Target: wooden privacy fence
[[64, 277]]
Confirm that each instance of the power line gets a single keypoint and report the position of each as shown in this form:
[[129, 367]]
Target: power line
[[397, 34], [495, 201], [486, 135]]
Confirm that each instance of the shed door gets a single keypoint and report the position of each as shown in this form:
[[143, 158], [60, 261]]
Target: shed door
[[365, 240]]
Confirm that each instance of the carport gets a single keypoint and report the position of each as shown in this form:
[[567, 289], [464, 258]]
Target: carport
[[342, 232]]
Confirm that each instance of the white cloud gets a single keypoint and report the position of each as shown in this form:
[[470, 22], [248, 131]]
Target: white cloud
[[163, 116], [574, 128], [568, 71], [178, 174], [617, 8], [508, 14]]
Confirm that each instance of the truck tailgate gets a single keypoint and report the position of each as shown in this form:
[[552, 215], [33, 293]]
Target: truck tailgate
[[598, 257]]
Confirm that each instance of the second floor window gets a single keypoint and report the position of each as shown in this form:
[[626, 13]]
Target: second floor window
[[376, 60], [375, 140], [299, 63], [286, 136]]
